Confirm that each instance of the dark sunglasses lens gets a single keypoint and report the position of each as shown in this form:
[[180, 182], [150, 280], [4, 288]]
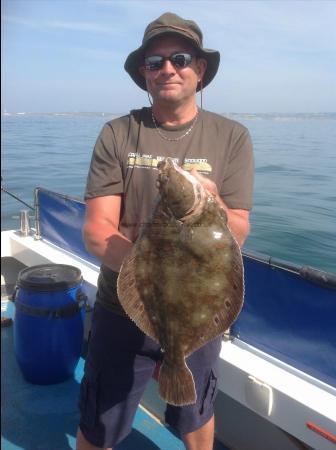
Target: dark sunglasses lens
[[181, 59], [154, 62]]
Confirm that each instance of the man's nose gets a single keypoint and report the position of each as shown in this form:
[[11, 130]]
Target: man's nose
[[168, 67]]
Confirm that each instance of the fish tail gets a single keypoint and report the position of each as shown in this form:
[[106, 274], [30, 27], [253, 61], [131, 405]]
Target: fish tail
[[176, 384]]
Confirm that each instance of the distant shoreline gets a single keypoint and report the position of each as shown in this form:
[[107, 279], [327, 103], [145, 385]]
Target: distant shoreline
[[246, 115], [76, 113]]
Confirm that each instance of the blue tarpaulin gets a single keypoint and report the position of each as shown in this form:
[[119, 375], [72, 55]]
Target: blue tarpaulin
[[61, 221]]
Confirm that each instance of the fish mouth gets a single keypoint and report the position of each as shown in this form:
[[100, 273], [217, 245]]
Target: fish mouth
[[199, 192], [164, 164]]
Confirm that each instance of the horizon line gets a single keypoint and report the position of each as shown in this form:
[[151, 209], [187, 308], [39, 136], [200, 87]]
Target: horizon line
[[7, 113]]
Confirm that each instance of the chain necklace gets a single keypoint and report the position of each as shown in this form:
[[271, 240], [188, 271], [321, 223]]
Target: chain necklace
[[163, 136]]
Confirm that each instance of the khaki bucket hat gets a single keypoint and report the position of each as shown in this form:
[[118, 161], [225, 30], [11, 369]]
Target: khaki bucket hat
[[166, 24]]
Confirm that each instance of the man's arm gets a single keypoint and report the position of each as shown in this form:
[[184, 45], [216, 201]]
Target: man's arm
[[238, 219], [101, 235]]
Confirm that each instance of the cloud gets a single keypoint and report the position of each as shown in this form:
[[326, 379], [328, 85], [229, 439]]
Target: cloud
[[87, 27], [96, 53]]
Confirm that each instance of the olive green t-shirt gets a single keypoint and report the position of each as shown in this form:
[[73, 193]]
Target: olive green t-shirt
[[125, 161]]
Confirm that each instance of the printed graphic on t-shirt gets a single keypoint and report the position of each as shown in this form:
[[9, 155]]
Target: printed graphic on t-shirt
[[200, 164], [143, 161]]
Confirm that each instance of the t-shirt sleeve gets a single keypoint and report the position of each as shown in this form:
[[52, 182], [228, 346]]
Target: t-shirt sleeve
[[105, 173], [237, 187]]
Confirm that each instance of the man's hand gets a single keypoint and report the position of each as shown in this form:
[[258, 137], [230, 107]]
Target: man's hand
[[238, 219]]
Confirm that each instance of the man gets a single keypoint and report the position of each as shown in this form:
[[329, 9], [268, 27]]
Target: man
[[171, 65]]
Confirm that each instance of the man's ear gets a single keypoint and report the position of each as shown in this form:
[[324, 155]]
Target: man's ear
[[201, 66], [142, 70]]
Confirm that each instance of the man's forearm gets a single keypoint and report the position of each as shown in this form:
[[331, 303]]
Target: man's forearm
[[239, 227], [109, 246], [237, 222]]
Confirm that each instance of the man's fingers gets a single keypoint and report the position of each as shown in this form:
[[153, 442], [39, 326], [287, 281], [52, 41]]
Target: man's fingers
[[197, 175], [207, 184], [201, 178]]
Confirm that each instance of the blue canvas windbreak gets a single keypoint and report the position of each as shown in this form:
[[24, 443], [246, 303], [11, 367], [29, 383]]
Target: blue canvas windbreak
[[61, 221], [289, 312], [290, 317]]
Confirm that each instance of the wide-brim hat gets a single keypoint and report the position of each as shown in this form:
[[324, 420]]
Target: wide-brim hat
[[171, 24]]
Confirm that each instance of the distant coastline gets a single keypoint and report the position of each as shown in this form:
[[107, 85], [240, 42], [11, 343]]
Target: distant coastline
[[246, 115], [76, 113]]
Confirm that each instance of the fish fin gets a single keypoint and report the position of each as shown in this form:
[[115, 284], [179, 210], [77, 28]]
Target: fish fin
[[176, 385], [221, 322], [224, 317], [130, 298]]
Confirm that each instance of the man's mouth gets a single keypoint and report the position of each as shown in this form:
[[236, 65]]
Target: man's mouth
[[167, 83]]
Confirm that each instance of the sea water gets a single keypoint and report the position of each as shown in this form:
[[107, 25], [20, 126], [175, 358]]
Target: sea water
[[293, 216]]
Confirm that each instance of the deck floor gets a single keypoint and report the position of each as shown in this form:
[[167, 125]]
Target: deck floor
[[45, 417]]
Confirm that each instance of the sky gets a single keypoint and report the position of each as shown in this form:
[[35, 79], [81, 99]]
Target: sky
[[68, 56]]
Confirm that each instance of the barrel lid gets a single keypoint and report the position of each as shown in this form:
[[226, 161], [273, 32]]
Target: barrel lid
[[49, 277]]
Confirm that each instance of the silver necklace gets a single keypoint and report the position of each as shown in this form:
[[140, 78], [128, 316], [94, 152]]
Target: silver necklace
[[163, 136]]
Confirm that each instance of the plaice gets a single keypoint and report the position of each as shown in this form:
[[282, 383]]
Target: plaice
[[183, 283]]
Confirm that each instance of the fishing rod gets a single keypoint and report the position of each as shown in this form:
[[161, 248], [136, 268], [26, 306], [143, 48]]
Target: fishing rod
[[16, 197]]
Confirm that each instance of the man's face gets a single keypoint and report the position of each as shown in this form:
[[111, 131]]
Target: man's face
[[171, 84]]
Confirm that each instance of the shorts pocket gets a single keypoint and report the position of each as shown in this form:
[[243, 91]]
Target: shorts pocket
[[210, 393], [88, 398]]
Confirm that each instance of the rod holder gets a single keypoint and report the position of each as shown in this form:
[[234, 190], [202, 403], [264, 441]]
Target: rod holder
[[24, 223], [37, 235]]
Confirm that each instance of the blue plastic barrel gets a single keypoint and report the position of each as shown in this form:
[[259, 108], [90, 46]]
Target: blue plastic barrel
[[49, 322]]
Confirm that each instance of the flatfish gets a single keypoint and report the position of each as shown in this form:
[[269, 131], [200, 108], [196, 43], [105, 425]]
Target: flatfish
[[182, 284]]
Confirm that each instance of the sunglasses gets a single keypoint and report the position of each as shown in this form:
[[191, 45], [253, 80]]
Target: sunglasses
[[179, 61]]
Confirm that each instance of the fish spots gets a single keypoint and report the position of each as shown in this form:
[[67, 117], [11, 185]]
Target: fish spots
[[224, 282], [226, 258], [216, 319], [214, 289], [145, 247], [145, 291], [199, 317], [227, 303]]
